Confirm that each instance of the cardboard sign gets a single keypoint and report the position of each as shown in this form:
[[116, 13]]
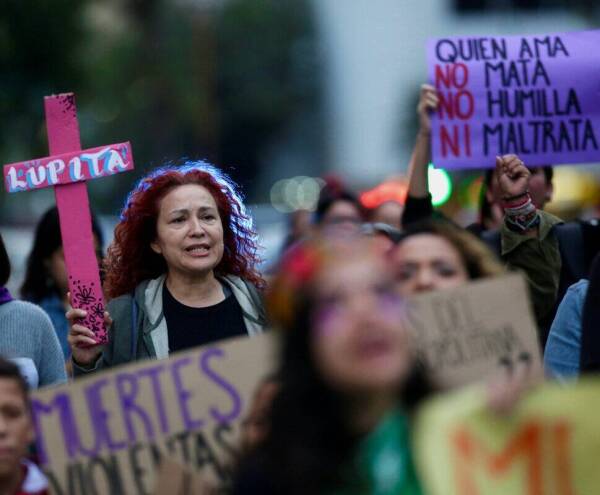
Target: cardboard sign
[[549, 444], [534, 96], [175, 479], [68, 167], [473, 332], [107, 433]]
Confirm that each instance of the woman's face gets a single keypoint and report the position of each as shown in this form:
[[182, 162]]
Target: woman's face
[[358, 341], [342, 217], [189, 231], [425, 262]]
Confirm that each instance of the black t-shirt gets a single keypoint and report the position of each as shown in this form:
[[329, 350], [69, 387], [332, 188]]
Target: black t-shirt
[[190, 327]]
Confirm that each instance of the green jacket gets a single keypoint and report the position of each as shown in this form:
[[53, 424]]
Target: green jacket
[[538, 258], [148, 338], [383, 463]]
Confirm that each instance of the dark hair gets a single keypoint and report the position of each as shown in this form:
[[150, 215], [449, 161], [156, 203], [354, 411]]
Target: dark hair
[[485, 208], [46, 241], [331, 194], [130, 258], [309, 439], [479, 261], [10, 371], [548, 174], [4, 264]]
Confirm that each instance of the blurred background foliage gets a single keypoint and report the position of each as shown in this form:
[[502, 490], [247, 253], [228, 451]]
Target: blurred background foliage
[[223, 81], [272, 91]]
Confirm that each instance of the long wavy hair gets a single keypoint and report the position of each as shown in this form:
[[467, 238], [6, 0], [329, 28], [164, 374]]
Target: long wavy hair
[[130, 259], [309, 440]]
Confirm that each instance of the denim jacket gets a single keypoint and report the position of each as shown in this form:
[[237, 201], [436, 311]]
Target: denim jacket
[[561, 357]]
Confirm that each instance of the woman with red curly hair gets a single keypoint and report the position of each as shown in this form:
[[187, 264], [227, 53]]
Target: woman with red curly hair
[[181, 271]]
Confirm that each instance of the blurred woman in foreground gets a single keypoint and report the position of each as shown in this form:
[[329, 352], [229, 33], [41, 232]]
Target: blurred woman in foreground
[[347, 378]]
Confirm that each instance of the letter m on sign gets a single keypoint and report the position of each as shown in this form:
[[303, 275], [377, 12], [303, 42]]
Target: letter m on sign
[[519, 459]]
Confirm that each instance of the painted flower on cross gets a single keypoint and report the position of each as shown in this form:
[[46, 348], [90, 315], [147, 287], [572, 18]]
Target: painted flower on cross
[[98, 310], [84, 295]]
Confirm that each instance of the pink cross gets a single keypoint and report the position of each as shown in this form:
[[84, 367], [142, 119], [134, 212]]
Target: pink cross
[[67, 170]]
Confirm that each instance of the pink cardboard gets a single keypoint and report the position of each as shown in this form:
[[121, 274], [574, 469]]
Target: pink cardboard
[[75, 219], [80, 255], [68, 167], [66, 171]]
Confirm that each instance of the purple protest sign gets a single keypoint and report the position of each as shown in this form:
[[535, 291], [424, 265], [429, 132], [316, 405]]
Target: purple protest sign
[[535, 96]]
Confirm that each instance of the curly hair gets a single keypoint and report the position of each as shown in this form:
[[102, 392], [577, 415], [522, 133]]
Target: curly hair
[[130, 259], [479, 261]]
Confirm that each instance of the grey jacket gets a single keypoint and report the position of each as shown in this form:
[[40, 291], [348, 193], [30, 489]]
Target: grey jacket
[[148, 337]]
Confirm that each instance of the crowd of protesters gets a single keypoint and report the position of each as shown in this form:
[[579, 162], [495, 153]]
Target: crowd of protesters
[[182, 272]]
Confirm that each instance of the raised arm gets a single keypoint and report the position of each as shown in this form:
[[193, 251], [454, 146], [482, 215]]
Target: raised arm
[[421, 156], [527, 240], [418, 201]]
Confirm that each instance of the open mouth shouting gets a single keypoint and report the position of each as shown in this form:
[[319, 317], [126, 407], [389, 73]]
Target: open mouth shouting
[[198, 250]]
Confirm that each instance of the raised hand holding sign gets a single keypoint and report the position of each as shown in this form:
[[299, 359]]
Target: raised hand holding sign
[[66, 171]]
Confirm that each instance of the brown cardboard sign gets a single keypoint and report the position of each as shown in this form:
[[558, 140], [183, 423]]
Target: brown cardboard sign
[[175, 479], [108, 433], [473, 332]]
